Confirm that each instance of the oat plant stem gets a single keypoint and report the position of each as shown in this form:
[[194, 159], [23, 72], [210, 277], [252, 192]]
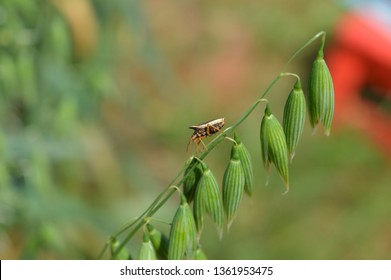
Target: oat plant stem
[[166, 194]]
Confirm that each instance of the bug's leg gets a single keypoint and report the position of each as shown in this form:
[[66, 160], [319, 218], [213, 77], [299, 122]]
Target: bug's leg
[[196, 142], [206, 148], [198, 145], [208, 129], [188, 144], [216, 128]]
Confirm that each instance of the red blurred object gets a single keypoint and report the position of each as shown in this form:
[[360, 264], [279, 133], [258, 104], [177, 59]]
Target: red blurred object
[[360, 64]]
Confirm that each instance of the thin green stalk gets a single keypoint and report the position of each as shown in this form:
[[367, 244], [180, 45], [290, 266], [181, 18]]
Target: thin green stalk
[[291, 74], [144, 214], [155, 202], [103, 250], [231, 139], [309, 42], [141, 221]]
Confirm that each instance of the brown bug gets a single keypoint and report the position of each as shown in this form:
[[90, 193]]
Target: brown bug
[[205, 129]]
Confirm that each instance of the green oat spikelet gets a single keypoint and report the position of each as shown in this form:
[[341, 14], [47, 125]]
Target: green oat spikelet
[[245, 160], [182, 242], [233, 185], [264, 145], [123, 254], [159, 242], [273, 145], [191, 181], [207, 200], [147, 252], [199, 208], [294, 118], [320, 94], [199, 254]]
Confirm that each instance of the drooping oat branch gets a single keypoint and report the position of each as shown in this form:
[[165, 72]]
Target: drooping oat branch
[[276, 142]]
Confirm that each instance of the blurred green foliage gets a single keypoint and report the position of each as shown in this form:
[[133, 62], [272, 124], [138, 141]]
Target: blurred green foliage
[[95, 100]]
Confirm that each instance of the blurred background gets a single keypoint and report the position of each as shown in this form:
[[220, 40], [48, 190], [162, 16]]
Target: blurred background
[[96, 98]]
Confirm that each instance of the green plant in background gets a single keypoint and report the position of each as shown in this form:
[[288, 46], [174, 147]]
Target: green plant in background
[[54, 77], [278, 143]]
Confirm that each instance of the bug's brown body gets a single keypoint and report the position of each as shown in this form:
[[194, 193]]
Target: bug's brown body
[[205, 129]]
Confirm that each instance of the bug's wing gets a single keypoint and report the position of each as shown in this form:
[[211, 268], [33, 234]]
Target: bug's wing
[[195, 127]]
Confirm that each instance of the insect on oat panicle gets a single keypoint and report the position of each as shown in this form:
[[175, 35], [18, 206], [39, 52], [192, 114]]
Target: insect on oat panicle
[[205, 129]]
